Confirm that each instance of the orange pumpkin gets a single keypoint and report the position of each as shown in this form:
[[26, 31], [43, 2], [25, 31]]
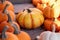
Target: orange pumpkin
[[7, 35], [4, 13], [2, 24], [3, 4], [30, 18], [21, 34], [48, 24], [52, 11]]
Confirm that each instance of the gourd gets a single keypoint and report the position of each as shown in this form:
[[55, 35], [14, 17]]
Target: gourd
[[30, 18]]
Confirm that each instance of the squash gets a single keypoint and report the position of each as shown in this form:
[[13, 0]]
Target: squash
[[3, 14], [48, 24], [30, 18], [52, 11]]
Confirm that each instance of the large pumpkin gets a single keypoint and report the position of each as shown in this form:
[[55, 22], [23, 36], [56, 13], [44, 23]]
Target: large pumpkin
[[7, 35], [3, 4], [30, 18], [52, 11], [48, 24]]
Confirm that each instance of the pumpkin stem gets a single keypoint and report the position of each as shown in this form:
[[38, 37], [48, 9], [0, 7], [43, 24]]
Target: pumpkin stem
[[29, 11], [9, 18], [16, 31], [5, 7], [53, 28], [3, 35]]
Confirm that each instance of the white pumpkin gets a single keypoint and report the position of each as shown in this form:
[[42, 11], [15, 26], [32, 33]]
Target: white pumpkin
[[47, 35]]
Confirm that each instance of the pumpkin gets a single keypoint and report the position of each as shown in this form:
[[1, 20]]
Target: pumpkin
[[3, 14], [21, 34], [52, 11], [11, 29], [3, 4], [48, 35], [7, 35], [30, 18], [41, 6], [48, 24]]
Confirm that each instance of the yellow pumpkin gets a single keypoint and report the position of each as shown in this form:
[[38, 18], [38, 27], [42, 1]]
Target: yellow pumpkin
[[30, 18]]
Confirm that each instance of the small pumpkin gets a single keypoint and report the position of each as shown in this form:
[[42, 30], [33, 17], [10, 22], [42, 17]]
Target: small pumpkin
[[30, 18], [3, 14], [48, 24], [7, 35], [21, 34], [52, 11], [3, 4], [48, 35], [11, 29]]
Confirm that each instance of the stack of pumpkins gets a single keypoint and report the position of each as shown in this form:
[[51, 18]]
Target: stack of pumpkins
[[9, 29], [51, 12]]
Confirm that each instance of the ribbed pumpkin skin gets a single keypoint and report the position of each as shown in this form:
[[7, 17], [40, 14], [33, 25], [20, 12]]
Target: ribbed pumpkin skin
[[10, 36], [23, 36], [48, 24], [11, 29], [3, 17], [10, 7], [48, 12], [30, 20]]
